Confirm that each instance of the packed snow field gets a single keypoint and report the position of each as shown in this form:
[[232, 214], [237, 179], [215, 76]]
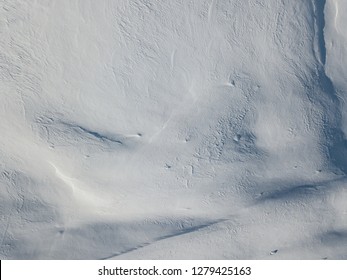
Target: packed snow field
[[202, 129]]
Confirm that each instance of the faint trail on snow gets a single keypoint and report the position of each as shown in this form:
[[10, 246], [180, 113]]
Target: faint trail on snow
[[6, 230], [173, 57], [12, 185], [179, 233], [155, 135], [211, 10], [67, 180]]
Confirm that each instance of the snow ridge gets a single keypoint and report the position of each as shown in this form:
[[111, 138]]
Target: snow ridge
[[334, 132]]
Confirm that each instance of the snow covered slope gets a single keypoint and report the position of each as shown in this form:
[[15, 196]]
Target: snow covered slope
[[177, 129]]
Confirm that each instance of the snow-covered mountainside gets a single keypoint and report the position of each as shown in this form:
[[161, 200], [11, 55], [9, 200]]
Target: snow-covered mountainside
[[198, 129]]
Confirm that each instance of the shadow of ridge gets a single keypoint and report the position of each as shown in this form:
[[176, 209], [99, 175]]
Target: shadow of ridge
[[289, 193], [338, 153], [292, 190], [335, 237], [179, 233], [320, 22], [92, 134], [337, 143]]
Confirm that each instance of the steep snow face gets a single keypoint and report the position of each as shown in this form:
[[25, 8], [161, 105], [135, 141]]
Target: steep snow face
[[336, 41], [173, 129]]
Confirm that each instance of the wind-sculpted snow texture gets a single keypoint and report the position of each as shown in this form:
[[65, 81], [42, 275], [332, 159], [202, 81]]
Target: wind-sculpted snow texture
[[203, 129]]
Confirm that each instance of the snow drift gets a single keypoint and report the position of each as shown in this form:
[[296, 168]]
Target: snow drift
[[173, 129]]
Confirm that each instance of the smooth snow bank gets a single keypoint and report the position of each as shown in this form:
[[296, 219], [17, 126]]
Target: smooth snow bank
[[168, 129]]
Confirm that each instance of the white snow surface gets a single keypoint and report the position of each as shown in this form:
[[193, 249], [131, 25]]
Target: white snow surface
[[201, 129]]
